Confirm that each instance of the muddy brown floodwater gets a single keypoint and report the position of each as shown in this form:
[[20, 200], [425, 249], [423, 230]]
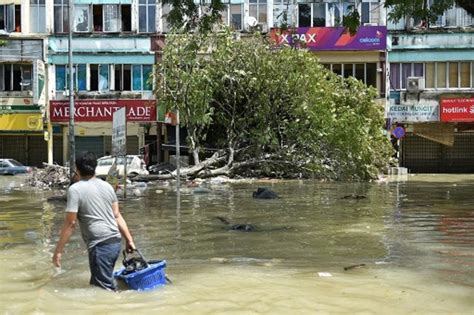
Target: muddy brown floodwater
[[415, 237]]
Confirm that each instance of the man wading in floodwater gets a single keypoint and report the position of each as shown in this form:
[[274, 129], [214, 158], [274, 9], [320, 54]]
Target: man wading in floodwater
[[93, 202]]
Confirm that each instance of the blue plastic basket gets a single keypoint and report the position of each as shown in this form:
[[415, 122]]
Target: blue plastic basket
[[146, 279]]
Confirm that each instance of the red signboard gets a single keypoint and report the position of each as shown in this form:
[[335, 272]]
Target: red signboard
[[457, 110], [102, 110]]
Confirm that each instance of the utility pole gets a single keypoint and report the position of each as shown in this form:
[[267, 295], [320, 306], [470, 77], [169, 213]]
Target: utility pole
[[72, 141], [178, 154]]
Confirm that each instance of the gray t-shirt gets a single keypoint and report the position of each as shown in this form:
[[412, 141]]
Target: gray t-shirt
[[92, 201]]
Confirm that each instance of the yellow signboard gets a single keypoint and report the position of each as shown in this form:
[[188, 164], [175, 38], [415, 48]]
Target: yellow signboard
[[21, 122]]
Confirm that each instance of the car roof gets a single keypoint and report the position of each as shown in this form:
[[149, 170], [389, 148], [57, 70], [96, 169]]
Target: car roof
[[110, 156]]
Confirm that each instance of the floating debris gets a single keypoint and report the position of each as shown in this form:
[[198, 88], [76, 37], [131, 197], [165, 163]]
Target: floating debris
[[324, 274], [51, 176], [354, 267]]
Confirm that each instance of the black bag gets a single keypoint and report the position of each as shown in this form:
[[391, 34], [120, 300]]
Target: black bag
[[133, 261]]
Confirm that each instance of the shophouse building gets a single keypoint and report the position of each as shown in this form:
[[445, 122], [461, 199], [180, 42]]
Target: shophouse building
[[113, 63], [23, 81], [431, 84]]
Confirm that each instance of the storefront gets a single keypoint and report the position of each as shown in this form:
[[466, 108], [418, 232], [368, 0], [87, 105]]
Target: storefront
[[93, 123], [431, 82], [439, 139]]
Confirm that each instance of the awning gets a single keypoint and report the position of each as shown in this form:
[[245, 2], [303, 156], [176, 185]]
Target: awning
[[21, 122]]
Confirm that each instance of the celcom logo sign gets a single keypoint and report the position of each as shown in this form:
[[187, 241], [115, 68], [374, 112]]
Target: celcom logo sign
[[369, 40], [372, 40]]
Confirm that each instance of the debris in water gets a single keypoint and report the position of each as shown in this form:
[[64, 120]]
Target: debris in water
[[354, 267], [354, 196], [324, 274], [48, 177], [265, 193]]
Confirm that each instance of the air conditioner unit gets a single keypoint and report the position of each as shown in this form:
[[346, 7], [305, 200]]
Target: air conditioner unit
[[415, 84], [262, 28]]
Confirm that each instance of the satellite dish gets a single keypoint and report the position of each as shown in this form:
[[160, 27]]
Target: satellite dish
[[251, 21]]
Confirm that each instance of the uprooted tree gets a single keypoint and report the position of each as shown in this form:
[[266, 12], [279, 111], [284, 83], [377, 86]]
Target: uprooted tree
[[271, 111]]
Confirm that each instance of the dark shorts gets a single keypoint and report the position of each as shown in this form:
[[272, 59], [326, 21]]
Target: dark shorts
[[102, 258]]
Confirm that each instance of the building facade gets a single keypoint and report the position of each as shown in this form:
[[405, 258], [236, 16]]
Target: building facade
[[431, 89], [422, 76]]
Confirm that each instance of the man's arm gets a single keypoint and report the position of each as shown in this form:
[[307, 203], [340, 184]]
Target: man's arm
[[66, 231], [122, 225]]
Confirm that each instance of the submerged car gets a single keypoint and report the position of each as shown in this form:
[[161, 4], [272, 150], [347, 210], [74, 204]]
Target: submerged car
[[135, 165], [13, 167]]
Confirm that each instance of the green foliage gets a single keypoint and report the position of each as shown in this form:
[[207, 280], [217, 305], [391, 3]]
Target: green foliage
[[277, 111], [417, 9], [184, 15], [467, 5]]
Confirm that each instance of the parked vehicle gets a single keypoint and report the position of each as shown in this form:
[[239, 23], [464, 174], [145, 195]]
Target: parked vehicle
[[13, 167], [135, 165]]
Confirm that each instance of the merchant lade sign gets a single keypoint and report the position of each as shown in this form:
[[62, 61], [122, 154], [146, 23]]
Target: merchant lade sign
[[333, 38], [102, 110], [457, 110]]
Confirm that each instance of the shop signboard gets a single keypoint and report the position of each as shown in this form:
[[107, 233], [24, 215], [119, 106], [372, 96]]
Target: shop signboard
[[413, 113], [39, 74], [457, 110], [102, 110], [10, 105], [21, 122], [119, 132], [333, 38]]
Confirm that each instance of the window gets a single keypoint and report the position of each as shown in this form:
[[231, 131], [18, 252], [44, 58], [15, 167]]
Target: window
[[165, 10], [371, 74], [15, 77], [147, 16], [453, 75], [236, 16], [81, 18], [99, 77], [61, 16], [312, 14], [319, 14], [37, 16], [441, 75], [111, 15], [430, 75], [366, 72], [97, 18], [437, 75], [365, 13], [395, 76], [465, 74], [141, 77], [348, 70], [80, 77], [10, 18], [334, 13], [61, 79], [123, 78], [283, 13], [126, 15], [258, 9], [304, 14]]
